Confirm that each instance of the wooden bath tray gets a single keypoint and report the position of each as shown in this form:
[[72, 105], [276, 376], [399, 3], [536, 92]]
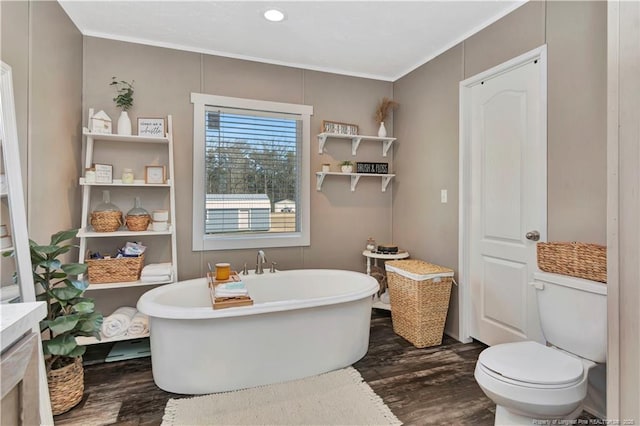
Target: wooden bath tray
[[229, 302], [211, 278]]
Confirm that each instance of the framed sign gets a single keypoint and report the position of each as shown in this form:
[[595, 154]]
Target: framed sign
[[104, 173], [372, 168], [339, 128], [155, 174], [151, 127]]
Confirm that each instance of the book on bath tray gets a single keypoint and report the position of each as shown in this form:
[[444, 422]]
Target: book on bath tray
[[228, 293]]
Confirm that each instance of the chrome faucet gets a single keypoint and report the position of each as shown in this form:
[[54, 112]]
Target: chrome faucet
[[260, 261]]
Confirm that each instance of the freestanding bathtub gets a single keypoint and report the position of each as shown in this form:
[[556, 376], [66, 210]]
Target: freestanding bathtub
[[302, 323]]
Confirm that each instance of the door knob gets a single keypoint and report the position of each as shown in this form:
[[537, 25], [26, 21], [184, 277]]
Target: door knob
[[532, 235]]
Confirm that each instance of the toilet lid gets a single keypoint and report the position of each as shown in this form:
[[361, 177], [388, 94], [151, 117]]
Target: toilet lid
[[531, 362]]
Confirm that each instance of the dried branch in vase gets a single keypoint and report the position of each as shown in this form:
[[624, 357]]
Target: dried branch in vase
[[384, 106]]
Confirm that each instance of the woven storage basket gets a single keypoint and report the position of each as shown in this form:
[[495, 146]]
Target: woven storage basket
[[419, 306], [137, 223], [124, 269], [66, 386], [108, 221], [580, 260]]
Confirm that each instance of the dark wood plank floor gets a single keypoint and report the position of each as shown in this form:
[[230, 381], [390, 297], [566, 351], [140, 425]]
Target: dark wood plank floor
[[421, 386]]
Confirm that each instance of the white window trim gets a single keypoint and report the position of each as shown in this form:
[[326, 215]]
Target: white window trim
[[202, 241]]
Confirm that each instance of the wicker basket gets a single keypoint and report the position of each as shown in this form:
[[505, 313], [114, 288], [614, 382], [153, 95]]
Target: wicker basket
[[419, 293], [580, 260], [108, 221], [66, 386], [137, 223], [124, 269]]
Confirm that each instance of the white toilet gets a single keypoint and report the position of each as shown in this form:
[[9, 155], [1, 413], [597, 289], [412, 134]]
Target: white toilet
[[529, 381]]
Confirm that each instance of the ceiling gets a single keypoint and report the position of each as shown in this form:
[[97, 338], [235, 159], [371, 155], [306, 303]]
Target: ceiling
[[383, 40]]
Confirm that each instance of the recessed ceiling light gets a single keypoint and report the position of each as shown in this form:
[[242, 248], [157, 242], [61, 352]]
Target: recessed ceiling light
[[274, 15]]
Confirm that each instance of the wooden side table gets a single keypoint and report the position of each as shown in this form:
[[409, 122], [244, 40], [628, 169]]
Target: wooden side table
[[402, 254]]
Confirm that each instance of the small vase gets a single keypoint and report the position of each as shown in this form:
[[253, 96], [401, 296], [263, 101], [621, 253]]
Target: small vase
[[124, 124], [347, 169], [382, 131]]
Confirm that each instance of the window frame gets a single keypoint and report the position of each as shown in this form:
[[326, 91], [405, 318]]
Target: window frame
[[203, 242]]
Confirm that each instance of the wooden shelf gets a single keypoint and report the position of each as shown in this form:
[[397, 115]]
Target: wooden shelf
[[118, 182], [107, 286], [355, 141], [88, 232], [6, 249], [111, 137], [81, 340], [355, 177]]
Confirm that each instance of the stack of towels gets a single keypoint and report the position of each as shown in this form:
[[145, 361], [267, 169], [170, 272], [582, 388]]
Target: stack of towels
[[157, 273], [125, 321], [232, 289]]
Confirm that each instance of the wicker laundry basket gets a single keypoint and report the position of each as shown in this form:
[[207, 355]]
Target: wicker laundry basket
[[419, 293], [582, 260]]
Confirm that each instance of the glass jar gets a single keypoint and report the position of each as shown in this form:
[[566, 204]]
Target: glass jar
[[127, 176], [89, 175], [371, 244], [106, 205], [137, 209]]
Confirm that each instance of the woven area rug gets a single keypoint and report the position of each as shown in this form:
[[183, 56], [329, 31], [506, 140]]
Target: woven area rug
[[336, 398]]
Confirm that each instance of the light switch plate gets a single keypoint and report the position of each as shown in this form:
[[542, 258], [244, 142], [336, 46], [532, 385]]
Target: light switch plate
[[443, 196]]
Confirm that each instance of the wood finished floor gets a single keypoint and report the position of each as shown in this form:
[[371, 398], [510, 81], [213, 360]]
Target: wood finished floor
[[421, 386]]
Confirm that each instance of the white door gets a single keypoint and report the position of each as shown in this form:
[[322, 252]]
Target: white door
[[506, 199]]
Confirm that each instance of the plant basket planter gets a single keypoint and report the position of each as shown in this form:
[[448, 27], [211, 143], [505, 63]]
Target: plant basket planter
[[66, 386]]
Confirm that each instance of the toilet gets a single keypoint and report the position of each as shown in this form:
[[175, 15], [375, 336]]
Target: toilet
[[529, 381]]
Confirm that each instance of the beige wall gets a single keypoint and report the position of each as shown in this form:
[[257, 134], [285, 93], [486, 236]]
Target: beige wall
[[341, 220], [44, 49], [427, 128]]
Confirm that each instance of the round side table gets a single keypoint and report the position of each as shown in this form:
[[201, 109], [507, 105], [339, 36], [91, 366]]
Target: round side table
[[402, 254]]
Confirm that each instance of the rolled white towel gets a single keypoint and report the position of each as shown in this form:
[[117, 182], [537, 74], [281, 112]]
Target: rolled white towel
[[118, 322], [139, 325], [157, 269]]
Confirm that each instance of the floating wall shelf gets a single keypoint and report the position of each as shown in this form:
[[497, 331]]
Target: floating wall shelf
[[355, 141], [355, 177]]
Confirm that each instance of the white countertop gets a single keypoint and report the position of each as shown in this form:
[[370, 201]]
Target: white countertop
[[17, 319]]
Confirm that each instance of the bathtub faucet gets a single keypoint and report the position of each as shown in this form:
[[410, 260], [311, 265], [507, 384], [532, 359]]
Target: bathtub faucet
[[260, 261]]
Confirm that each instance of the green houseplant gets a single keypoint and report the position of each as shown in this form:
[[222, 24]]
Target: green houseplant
[[124, 101], [346, 166], [69, 315]]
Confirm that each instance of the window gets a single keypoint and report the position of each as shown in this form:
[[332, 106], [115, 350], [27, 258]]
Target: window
[[250, 173]]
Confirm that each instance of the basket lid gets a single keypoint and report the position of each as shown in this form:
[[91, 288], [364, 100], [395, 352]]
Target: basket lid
[[418, 270]]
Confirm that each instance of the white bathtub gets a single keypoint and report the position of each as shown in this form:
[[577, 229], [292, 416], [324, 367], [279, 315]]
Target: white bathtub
[[302, 323]]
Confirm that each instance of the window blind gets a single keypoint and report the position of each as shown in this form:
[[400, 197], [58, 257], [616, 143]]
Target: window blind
[[252, 166]]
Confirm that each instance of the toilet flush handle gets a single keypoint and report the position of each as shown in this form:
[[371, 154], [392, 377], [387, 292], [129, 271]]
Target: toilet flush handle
[[538, 285]]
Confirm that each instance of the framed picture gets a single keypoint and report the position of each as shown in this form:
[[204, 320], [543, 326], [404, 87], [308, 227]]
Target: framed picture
[[155, 174], [151, 127], [104, 173], [339, 128]]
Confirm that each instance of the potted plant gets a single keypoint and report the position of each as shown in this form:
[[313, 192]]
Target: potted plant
[[382, 111], [346, 166], [69, 315], [124, 101]]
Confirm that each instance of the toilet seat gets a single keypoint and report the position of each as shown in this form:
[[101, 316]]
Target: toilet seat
[[530, 364]]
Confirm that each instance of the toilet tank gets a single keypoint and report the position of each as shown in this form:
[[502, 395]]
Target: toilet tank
[[573, 314]]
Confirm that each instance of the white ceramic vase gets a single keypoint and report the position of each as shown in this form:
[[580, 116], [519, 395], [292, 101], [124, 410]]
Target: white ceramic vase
[[124, 124], [382, 131], [347, 169]]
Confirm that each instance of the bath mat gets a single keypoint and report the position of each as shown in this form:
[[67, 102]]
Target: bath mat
[[336, 398]]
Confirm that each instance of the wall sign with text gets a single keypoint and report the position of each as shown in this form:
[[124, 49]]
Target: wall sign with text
[[373, 168], [151, 127]]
